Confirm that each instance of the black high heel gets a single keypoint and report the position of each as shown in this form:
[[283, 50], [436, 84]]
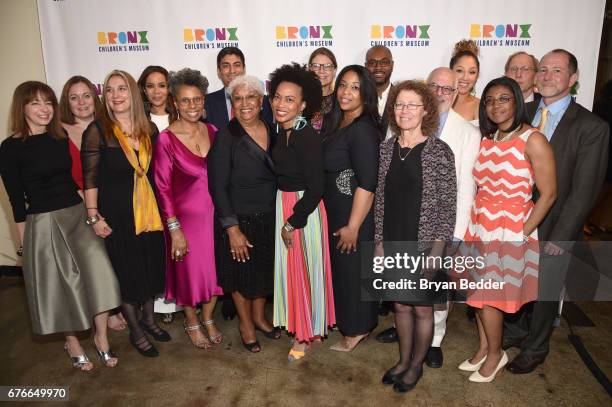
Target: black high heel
[[159, 335], [150, 352], [401, 387], [390, 378], [252, 347], [275, 333]]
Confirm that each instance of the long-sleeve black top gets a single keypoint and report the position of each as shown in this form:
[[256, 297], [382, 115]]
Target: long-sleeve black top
[[36, 173], [298, 158], [241, 177]]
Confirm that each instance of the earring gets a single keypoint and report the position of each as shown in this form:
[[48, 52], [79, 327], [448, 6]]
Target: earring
[[300, 122]]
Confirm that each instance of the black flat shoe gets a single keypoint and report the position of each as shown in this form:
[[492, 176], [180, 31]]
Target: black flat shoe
[[434, 358], [390, 378], [140, 346], [401, 387], [252, 347], [158, 334], [275, 333], [389, 335]]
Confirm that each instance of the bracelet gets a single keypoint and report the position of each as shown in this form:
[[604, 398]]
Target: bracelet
[[174, 225], [93, 207], [92, 220], [525, 238], [288, 227], [20, 251]]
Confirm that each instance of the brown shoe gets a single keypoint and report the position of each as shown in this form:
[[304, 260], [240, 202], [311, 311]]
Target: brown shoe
[[523, 364]]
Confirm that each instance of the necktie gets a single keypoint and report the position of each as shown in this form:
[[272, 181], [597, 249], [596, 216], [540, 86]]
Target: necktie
[[543, 119]]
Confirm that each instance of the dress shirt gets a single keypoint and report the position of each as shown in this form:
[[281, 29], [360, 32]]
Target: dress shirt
[[555, 113], [443, 117], [382, 100]]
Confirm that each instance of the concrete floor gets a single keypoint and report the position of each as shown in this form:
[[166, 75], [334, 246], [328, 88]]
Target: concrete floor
[[230, 376]]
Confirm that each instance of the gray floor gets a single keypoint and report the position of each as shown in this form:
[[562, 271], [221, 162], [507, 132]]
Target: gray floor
[[230, 376]]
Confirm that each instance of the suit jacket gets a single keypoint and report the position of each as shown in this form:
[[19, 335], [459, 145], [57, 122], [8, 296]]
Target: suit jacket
[[580, 145], [216, 109], [439, 195], [384, 120], [464, 139]]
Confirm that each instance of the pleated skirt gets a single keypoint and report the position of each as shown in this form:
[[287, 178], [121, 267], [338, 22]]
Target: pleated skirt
[[68, 276], [303, 293]]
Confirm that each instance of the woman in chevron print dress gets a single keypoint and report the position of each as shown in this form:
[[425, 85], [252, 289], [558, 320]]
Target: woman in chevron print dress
[[513, 158]]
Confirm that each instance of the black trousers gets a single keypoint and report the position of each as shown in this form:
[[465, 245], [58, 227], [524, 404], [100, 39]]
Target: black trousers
[[532, 325]]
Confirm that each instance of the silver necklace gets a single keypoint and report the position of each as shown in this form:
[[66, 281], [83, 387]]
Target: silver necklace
[[399, 151]]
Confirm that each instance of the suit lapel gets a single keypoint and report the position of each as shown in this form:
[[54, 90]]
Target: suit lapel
[[253, 149], [566, 121]]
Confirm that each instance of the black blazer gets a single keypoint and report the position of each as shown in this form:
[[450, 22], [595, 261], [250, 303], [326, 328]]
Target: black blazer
[[580, 145], [384, 120], [241, 177], [216, 109]]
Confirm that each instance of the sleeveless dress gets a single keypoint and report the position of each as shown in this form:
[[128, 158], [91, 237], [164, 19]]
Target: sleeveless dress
[[503, 202]]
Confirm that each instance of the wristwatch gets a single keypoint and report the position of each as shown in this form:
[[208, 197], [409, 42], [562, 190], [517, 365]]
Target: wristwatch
[[288, 227], [92, 220]]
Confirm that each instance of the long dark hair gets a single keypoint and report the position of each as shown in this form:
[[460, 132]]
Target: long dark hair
[[142, 85], [487, 127], [367, 90], [24, 94]]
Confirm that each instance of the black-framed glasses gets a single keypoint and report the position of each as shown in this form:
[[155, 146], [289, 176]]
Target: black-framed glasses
[[502, 100], [408, 106], [325, 67], [522, 69], [383, 63], [446, 90]]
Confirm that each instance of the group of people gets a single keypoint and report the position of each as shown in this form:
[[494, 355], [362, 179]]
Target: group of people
[[163, 188]]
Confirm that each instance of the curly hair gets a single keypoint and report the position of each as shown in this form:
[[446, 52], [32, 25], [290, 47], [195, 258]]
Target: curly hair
[[465, 48], [187, 77], [431, 121], [305, 79]]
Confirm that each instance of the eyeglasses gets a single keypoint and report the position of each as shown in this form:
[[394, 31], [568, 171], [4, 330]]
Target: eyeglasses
[[198, 100], [245, 99], [502, 100], [325, 67], [383, 63], [523, 69], [408, 106], [445, 90]]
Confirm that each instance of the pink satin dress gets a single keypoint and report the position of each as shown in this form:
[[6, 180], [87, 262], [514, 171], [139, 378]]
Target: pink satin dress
[[181, 178]]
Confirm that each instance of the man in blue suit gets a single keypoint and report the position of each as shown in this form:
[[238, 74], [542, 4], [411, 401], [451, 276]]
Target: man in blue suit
[[230, 64]]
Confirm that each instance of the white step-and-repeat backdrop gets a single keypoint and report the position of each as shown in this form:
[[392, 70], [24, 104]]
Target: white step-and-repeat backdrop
[[92, 37]]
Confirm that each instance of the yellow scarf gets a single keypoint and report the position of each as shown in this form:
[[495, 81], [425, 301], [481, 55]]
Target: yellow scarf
[[146, 214]]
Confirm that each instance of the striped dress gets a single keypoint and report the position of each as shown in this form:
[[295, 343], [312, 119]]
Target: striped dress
[[505, 181]]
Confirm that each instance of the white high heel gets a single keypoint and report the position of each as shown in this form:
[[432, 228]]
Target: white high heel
[[466, 366], [478, 378]]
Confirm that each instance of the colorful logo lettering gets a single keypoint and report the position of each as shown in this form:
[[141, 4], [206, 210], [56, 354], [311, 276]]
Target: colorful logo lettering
[[123, 37], [399, 31], [500, 31], [303, 32], [210, 34]]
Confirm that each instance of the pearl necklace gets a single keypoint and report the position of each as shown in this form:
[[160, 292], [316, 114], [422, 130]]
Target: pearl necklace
[[506, 137]]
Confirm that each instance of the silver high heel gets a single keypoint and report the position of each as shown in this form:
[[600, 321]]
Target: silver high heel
[[105, 357], [78, 362]]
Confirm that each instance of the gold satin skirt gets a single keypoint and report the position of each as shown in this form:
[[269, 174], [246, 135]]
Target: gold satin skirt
[[68, 276]]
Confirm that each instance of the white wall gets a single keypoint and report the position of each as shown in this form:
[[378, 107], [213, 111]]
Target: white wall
[[21, 56]]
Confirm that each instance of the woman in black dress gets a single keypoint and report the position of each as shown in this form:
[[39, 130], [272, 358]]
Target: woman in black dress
[[415, 206], [116, 153], [323, 63], [242, 183], [350, 148], [68, 277]]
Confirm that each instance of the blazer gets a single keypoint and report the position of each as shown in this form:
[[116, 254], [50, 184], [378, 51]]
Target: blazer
[[216, 109], [241, 177], [439, 199], [580, 146], [464, 139]]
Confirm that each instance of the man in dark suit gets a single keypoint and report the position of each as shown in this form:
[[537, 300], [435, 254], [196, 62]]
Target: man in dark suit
[[522, 67], [379, 62], [230, 64], [580, 144]]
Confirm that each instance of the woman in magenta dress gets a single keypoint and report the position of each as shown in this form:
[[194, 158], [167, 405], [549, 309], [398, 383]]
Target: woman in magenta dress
[[181, 177]]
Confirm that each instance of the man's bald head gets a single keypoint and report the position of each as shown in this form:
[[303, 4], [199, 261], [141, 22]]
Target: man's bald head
[[443, 82]]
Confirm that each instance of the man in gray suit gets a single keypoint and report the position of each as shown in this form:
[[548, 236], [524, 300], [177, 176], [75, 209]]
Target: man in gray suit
[[579, 140]]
